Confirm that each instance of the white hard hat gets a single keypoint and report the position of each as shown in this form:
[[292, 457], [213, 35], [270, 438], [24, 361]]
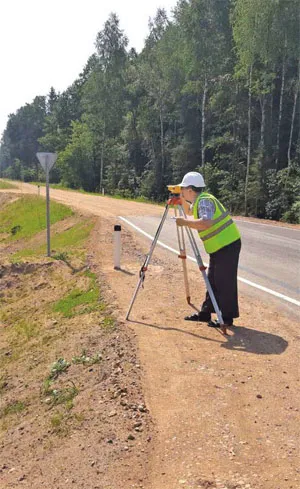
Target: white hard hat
[[192, 178]]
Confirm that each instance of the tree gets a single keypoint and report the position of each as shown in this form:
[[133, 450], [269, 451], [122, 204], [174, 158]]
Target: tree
[[75, 162], [23, 131], [104, 100], [154, 80], [206, 28]]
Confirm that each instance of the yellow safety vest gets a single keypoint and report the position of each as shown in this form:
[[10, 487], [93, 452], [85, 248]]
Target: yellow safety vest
[[223, 231]]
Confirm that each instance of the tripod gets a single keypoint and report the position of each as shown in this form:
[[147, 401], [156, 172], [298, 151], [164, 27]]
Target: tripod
[[176, 202]]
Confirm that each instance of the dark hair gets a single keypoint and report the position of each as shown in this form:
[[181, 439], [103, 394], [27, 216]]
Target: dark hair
[[196, 189]]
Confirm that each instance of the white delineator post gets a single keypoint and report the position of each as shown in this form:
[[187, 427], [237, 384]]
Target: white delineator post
[[117, 247]]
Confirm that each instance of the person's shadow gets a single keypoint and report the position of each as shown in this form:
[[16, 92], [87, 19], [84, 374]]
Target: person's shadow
[[240, 339], [254, 341]]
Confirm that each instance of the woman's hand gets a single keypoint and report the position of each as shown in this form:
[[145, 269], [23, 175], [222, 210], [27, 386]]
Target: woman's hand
[[180, 221]]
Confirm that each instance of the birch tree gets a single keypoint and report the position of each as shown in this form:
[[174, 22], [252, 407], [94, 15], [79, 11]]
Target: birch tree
[[205, 24]]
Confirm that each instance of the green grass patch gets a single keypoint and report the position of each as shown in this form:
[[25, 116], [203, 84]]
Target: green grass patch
[[80, 301], [66, 240], [62, 422], [59, 395], [6, 185], [73, 237], [56, 421], [86, 359], [58, 367], [27, 216], [12, 408], [108, 323], [62, 396]]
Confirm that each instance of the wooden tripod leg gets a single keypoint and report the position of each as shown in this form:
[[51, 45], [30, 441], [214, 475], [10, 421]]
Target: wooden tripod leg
[[182, 256]]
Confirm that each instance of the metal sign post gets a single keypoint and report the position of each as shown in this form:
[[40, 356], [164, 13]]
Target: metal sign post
[[47, 161]]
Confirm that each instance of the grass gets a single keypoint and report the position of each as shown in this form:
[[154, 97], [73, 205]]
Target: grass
[[59, 396], [58, 367], [6, 185], [12, 408], [21, 330], [80, 301], [62, 396], [108, 323], [86, 359], [27, 314], [61, 422], [25, 330], [27, 216], [74, 236], [56, 421], [66, 240]]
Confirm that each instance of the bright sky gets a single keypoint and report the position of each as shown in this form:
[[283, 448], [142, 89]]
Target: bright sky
[[46, 43]]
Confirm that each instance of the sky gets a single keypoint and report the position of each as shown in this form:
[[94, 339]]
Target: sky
[[46, 43]]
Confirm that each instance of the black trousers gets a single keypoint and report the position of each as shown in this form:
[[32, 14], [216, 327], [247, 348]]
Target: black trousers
[[222, 274]]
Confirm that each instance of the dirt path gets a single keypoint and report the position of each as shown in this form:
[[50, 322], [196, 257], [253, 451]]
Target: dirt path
[[225, 410]]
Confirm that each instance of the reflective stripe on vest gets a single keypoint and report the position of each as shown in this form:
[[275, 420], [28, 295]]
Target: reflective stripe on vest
[[223, 230], [224, 226], [219, 219]]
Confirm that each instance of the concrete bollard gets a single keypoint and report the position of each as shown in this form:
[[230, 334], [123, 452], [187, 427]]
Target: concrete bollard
[[117, 247]]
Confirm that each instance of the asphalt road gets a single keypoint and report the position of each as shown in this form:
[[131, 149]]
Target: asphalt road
[[270, 258]]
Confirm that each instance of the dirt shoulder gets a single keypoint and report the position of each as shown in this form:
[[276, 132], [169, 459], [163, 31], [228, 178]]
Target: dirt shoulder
[[87, 426], [225, 410]]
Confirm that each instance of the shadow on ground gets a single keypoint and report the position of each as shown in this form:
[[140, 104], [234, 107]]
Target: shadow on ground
[[254, 341], [240, 339]]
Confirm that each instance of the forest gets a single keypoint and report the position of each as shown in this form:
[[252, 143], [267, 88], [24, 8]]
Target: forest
[[216, 89]]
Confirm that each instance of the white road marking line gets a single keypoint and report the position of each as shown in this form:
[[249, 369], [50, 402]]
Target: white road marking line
[[244, 280], [262, 224]]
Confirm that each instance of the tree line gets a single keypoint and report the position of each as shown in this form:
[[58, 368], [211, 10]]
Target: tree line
[[214, 89]]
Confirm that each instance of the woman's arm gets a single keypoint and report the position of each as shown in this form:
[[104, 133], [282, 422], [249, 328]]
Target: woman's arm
[[198, 224]]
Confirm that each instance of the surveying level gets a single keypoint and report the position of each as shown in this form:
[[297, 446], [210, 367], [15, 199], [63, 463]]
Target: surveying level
[[174, 189], [176, 202]]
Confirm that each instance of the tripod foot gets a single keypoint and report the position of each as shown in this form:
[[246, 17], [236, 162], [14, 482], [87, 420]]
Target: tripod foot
[[224, 329], [215, 324]]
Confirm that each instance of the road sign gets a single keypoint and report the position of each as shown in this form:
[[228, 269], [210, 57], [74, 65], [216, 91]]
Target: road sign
[[47, 160]]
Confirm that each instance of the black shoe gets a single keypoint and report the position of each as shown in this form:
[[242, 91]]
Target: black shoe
[[202, 316]]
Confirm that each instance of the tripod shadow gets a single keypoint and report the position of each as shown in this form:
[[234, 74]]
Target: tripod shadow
[[178, 330], [243, 339], [126, 272]]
